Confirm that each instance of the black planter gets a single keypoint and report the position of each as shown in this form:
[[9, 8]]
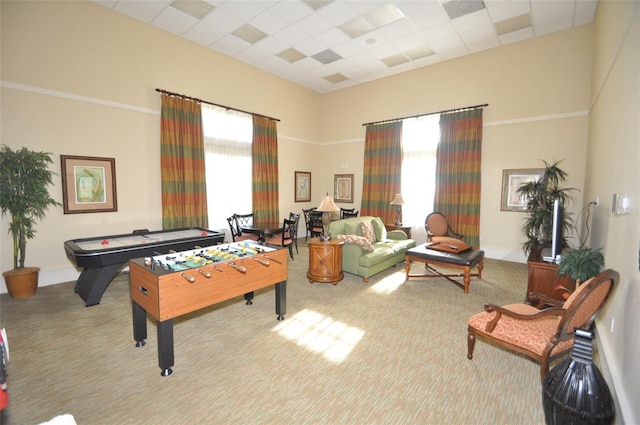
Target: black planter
[[575, 392]]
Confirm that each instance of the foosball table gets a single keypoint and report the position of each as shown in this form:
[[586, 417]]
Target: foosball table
[[171, 285]]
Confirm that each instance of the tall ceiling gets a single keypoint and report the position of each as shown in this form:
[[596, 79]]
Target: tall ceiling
[[327, 45]]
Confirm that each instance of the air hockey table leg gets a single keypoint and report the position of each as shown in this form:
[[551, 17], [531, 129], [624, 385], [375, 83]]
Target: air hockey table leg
[[92, 283]]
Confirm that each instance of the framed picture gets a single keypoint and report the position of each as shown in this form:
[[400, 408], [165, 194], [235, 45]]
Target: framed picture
[[88, 184], [302, 187], [511, 181], [343, 188]]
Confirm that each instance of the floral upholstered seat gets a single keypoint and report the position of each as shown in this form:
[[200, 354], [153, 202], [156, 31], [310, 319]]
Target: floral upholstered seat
[[546, 334]]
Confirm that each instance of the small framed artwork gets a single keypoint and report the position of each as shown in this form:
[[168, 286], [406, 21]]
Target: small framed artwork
[[88, 184], [511, 181], [302, 187], [343, 188]]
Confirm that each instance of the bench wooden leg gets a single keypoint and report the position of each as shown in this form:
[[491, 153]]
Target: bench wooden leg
[[467, 279]]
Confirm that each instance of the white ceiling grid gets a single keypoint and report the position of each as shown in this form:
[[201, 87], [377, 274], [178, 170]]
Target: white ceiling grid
[[399, 35]]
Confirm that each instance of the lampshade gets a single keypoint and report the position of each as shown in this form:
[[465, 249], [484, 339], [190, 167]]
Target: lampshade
[[327, 205], [398, 200]]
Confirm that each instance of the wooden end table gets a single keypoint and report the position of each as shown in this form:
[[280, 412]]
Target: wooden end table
[[405, 229], [544, 279], [325, 260]]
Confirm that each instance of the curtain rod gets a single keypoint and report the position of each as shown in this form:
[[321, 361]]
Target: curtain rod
[[428, 113], [211, 103]]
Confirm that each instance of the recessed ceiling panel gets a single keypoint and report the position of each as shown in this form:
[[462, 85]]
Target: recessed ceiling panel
[[362, 39]]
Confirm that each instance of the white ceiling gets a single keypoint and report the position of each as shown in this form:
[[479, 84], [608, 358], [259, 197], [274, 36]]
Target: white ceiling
[[398, 36]]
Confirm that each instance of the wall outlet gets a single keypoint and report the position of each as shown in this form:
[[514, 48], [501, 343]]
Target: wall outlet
[[596, 202]]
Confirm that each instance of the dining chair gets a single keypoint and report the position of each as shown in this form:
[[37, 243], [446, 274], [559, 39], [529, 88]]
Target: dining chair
[[244, 220], [349, 214], [344, 211], [286, 238], [307, 222], [236, 233], [315, 223], [295, 217]]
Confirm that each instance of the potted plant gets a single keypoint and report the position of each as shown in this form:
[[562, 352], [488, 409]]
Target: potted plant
[[540, 195], [24, 198], [581, 264]]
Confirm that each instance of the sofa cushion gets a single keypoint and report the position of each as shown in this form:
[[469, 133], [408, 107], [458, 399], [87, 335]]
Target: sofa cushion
[[352, 229], [361, 241], [367, 230], [380, 229], [377, 256]]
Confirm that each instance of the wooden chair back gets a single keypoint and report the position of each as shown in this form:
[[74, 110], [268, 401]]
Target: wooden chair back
[[437, 225], [584, 304], [347, 211], [307, 221]]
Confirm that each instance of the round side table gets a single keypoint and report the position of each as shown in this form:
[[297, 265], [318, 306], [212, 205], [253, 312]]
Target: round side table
[[325, 260]]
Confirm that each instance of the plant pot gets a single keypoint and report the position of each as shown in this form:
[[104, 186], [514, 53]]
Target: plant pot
[[535, 254], [22, 283]]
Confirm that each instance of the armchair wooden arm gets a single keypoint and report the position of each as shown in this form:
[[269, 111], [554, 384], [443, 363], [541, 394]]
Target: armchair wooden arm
[[539, 300], [500, 311]]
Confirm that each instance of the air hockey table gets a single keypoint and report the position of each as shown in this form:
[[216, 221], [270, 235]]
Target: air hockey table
[[102, 257]]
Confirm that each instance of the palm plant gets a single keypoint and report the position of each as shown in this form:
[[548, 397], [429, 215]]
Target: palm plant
[[24, 195], [581, 264], [540, 195]]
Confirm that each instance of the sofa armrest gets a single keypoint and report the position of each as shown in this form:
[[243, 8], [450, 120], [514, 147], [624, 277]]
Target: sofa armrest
[[396, 235]]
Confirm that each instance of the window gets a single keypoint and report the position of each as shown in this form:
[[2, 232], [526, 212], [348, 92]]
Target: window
[[420, 137], [227, 142]]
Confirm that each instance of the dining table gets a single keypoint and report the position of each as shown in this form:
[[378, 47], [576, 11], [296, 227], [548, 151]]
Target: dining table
[[263, 230]]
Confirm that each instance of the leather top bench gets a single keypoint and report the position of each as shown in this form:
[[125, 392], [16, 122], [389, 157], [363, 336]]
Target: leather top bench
[[464, 261]]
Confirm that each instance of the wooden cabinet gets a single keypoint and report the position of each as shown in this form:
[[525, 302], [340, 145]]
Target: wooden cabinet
[[405, 229], [325, 261], [544, 278]]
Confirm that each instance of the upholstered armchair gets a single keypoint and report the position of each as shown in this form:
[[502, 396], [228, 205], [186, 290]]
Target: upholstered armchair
[[546, 334], [439, 230]]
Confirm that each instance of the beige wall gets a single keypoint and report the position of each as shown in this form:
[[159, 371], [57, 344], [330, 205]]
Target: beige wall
[[538, 96], [613, 167], [73, 85], [79, 79]]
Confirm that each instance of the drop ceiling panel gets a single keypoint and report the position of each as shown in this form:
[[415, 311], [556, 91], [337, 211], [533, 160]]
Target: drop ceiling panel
[[394, 29]]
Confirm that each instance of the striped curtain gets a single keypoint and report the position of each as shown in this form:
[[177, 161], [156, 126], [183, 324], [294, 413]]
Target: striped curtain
[[458, 172], [184, 198], [264, 157], [382, 170]]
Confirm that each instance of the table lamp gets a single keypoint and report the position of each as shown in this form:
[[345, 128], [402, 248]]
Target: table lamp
[[398, 202], [326, 207]]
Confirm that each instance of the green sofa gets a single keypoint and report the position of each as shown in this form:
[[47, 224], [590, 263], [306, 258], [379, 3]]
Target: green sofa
[[389, 247]]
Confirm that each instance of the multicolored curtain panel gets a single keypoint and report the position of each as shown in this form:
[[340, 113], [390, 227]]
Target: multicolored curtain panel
[[264, 157], [184, 196], [458, 172], [382, 169]]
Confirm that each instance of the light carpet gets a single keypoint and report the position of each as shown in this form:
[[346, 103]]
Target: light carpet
[[381, 352]]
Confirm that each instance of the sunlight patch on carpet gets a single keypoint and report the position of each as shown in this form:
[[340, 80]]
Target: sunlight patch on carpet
[[389, 284], [320, 334]]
